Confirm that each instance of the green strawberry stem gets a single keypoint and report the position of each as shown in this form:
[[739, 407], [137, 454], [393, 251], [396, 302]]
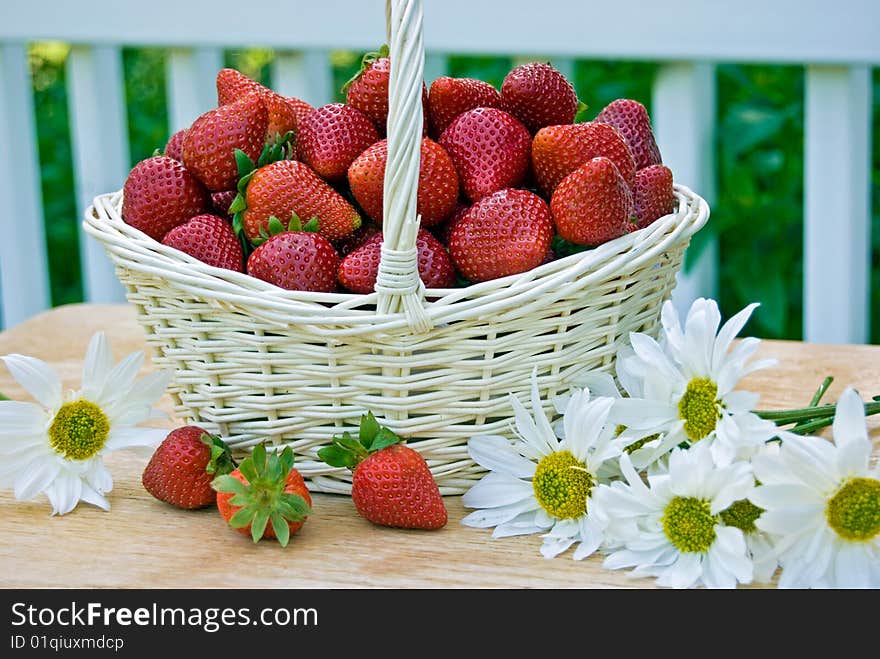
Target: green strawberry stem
[[346, 451], [221, 461], [366, 61], [263, 499]]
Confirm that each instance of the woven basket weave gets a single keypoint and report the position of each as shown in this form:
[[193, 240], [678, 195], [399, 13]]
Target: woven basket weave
[[259, 364]]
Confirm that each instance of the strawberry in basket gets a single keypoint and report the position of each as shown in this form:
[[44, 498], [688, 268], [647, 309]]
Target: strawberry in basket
[[391, 484]]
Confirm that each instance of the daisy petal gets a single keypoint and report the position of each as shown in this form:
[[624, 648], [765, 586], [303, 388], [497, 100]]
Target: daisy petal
[[729, 331], [64, 493], [849, 418], [91, 496], [496, 489], [37, 378], [131, 437], [19, 418], [120, 379], [496, 453], [96, 366], [488, 517], [35, 478]]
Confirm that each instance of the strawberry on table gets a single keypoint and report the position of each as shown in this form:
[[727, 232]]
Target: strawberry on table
[[284, 112], [653, 194], [593, 204], [210, 143], [358, 270], [539, 95], [391, 483], [183, 466], [159, 193], [631, 119], [503, 234], [296, 260], [290, 187], [490, 149], [559, 150], [450, 97], [438, 182], [265, 497], [210, 239], [332, 136]]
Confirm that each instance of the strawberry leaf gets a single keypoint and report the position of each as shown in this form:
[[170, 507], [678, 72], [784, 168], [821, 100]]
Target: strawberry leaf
[[228, 484], [368, 430], [386, 437], [366, 62], [312, 225], [244, 163], [295, 223], [221, 461], [242, 517], [258, 526], [286, 458], [238, 204], [348, 442], [158, 152], [248, 470], [294, 507], [242, 184], [337, 457], [282, 530], [275, 226]]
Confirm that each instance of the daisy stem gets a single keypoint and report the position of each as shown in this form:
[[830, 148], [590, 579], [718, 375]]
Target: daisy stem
[[814, 401], [784, 417], [808, 427]]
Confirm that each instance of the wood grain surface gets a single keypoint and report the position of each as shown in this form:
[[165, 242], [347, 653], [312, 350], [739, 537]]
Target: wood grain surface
[[143, 543]]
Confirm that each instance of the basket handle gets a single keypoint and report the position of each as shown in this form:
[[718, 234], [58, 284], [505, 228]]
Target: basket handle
[[398, 284]]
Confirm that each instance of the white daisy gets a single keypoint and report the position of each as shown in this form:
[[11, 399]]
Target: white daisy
[[543, 483], [676, 533], [682, 389], [822, 504], [57, 446]]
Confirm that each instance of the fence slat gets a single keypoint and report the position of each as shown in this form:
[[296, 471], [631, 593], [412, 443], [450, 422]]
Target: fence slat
[[837, 204], [191, 75], [683, 116], [24, 274], [307, 76], [100, 152]]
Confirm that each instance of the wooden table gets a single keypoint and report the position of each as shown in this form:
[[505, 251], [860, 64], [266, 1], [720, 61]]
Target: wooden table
[[145, 543]]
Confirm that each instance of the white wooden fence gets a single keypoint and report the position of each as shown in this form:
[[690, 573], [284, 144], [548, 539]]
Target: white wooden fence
[[837, 43]]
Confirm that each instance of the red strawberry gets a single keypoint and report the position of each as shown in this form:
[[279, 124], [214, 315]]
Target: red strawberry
[[443, 231], [297, 261], [265, 497], [539, 95], [653, 194], [503, 234], [490, 149], [174, 147], [289, 186], [358, 239], [593, 204], [210, 239], [559, 150], [358, 270], [438, 182], [181, 469], [391, 484], [331, 137], [221, 201], [450, 97], [631, 119], [159, 194], [210, 144], [368, 90], [284, 111]]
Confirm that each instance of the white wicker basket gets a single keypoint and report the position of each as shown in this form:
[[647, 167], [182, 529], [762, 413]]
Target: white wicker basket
[[256, 363]]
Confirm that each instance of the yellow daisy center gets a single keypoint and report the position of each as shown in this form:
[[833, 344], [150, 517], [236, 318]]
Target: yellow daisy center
[[79, 430], [741, 514], [688, 524], [699, 408], [854, 511], [562, 485]]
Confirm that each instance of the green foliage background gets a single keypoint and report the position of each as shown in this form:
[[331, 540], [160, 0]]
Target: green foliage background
[[757, 216]]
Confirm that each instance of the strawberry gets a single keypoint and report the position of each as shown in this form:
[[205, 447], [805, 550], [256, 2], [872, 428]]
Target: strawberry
[[358, 270], [653, 194], [631, 119], [368, 89], [450, 97], [503, 234], [284, 111], [221, 201], [331, 137], [443, 231], [296, 261], [593, 204], [174, 147], [289, 186], [210, 239], [159, 193], [358, 239], [559, 150], [391, 484], [539, 95], [490, 149], [438, 182], [182, 467], [210, 143], [266, 497]]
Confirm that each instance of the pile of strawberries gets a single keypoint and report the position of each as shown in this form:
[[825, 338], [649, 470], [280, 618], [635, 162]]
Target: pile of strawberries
[[293, 195]]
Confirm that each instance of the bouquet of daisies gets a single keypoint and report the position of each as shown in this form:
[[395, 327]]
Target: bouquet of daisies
[[669, 471]]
